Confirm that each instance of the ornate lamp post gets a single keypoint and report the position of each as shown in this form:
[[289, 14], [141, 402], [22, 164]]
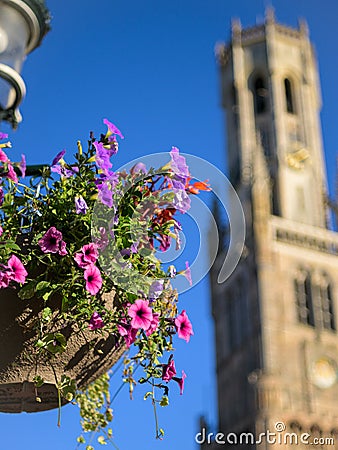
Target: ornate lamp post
[[23, 24]]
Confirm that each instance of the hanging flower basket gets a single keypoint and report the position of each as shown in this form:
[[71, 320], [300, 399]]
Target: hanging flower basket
[[80, 281]]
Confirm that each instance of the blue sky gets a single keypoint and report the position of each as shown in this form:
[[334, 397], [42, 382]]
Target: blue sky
[[149, 67]]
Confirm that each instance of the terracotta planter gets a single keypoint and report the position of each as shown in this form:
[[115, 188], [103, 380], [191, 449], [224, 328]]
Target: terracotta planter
[[87, 356]]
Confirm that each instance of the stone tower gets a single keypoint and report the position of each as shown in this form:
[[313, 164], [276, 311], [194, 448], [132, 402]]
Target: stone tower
[[276, 316]]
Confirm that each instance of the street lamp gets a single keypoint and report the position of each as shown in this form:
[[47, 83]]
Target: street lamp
[[23, 24]]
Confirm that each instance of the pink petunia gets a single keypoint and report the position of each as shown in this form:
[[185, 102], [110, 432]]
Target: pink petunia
[[168, 370], [11, 175], [51, 242], [18, 272], [4, 279], [187, 273], [1, 230], [87, 256], [153, 325], [180, 381], [93, 279], [141, 314], [3, 156], [183, 326], [95, 321], [128, 332]]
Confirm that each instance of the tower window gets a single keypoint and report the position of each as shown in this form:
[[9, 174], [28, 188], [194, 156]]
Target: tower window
[[290, 107], [326, 303], [260, 96], [304, 299]]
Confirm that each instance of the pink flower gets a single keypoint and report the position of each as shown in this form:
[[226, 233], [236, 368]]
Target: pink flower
[[1, 230], [3, 156], [112, 129], [180, 381], [153, 324], [87, 256], [96, 321], [187, 273], [11, 174], [168, 370], [18, 272], [52, 242], [183, 326], [93, 279], [140, 314], [4, 279], [128, 332]]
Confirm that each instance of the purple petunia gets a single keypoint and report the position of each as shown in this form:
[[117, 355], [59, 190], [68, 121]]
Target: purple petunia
[[155, 290], [51, 242], [3, 135], [57, 158], [112, 129], [180, 169], [22, 166], [95, 321], [80, 205], [181, 200], [102, 157]]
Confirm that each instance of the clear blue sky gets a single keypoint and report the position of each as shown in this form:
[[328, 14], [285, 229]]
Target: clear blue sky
[[149, 67]]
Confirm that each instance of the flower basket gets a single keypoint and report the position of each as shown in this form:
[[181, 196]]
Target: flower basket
[[81, 282]]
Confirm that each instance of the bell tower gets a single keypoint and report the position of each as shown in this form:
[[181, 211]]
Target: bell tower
[[276, 316]]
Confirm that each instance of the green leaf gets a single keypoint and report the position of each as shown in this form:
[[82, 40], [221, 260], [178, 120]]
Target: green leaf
[[42, 285], [27, 291], [38, 381]]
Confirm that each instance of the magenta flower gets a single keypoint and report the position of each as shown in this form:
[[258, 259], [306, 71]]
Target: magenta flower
[[87, 256], [112, 129], [3, 135], [153, 325], [80, 205], [180, 381], [18, 272], [93, 279], [187, 273], [11, 174], [52, 242], [57, 158], [140, 314], [168, 370], [1, 230], [5, 278], [22, 166], [96, 321], [3, 156], [128, 332], [183, 326], [2, 196], [181, 200]]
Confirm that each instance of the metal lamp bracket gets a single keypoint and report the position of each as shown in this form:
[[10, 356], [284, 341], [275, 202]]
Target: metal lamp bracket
[[12, 113]]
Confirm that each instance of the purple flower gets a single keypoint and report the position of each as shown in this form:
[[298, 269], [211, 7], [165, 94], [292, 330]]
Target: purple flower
[[87, 256], [96, 321], [134, 247], [179, 167], [22, 166], [93, 279], [168, 370], [105, 195], [138, 168], [80, 205], [57, 158], [2, 196], [112, 129], [18, 272], [141, 315], [103, 241], [3, 135], [183, 326], [51, 242], [102, 157], [181, 200], [63, 171], [155, 290]]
